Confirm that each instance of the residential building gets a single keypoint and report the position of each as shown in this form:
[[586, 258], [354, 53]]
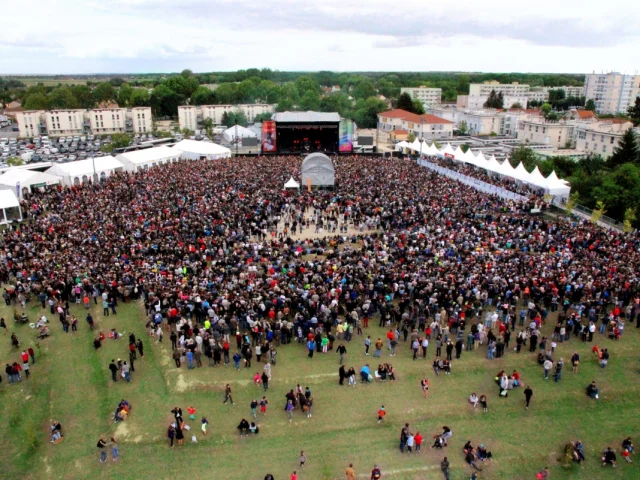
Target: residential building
[[100, 121], [536, 129], [475, 102], [601, 137], [422, 126], [141, 120], [191, 117], [514, 89], [65, 122], [108, 120], [612, 92], [31, 123], [541, 94], [428, 96]]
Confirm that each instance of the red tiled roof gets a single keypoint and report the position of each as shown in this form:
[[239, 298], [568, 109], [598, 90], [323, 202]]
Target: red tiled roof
[[585, 113], [400, 132], [413, 117]]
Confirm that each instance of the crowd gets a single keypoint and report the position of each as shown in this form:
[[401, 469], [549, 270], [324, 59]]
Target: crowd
[[230, 265]]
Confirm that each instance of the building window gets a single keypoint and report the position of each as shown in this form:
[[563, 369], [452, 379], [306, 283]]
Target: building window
[[611, 141]]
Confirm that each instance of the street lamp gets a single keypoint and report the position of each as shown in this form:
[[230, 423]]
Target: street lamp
[[421, 140], [93, 162], [236, 139]]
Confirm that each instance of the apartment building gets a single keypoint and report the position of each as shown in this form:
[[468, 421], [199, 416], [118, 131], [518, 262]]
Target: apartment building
[[612, 92], [514, 89], [601, 137], [108, 120], [428, 96], [541, 94], [422, 126], [31, 123], [141, 120], [536, 129], [474, 102], [191, 117], [100, 121]]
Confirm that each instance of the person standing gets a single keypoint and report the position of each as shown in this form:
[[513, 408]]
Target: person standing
[[227, 394], [342, 351], [254, 408], [418, 439], [32, 354], [381, 414], [444, 466], [350, 473], [558, 375], [367, 344], [114, 370], [171, 435], [547, 365], [575, 361], [126, 372], [115, 453], [410, 442], [311, 347], [376, 474], [103, 454], [302, 458], [528, 393], [404, 433]]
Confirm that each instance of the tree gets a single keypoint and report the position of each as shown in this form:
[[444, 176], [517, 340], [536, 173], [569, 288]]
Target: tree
[[124, 95], [627, 150], [310, 101], [284, 105], [187, 133], [186, 73], [207, 124], [104, 92], [306, 83], [36, 101], [366, 115], [165, 101], [62, 98], [553, 116], [418, 107], [203, 96], [83, 96], [545, 109], [590, 105], [597, 213], [516, 105], [494, 100], [629, 219], [405, 102], [181, 85], [140, 98], [229, 119], [14, 161], [463, 128], [525, 155], [364, 89], [336, 102], [464, 147], [116, 81], [411, 137], [573, 200], [261, 117], [120, 140], [634, 112], [619, 189]]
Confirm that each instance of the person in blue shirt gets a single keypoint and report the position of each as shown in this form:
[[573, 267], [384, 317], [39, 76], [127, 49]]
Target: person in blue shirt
[[190, 364], [311, 346], [365, 372], [236, 360]]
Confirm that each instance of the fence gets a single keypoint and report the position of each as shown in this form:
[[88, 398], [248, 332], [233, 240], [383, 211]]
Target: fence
[[473, 182]]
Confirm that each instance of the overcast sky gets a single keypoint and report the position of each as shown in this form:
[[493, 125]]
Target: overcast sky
[[121, 36]]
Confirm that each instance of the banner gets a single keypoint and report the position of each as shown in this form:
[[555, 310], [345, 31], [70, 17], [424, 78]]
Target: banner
[[269, 136], [345, 143]]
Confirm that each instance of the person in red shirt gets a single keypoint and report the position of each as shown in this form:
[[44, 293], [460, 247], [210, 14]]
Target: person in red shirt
[[390, 336], [294, 476], [25, 357], [418, 439], [381, 413]]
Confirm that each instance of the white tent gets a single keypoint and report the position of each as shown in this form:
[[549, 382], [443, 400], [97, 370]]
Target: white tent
[[23, 181], [537, 179], [318, 171], [458, 154], [481, 160], [81, 171], [400, 146], [238, 131], [507, 169], [557, 187], [10, 207], [432, 150], [291, 183], [150, 157], [521, 173], [469, 157], [448, 150], [415, 145], [194, 150], [493, 165]]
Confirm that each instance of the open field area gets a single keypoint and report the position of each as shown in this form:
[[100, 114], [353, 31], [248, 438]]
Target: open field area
[[71, 383], [52, 82]]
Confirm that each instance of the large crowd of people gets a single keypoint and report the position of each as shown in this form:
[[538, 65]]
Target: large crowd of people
[[218, 252]]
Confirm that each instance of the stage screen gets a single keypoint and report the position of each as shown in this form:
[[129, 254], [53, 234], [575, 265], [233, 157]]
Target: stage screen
[[346, 137], [269, 136]]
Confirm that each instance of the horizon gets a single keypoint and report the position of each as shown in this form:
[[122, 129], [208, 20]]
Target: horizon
[[161, 36]]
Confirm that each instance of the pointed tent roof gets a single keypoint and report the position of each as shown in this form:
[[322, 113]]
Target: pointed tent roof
[[521, 173], [481, 160], [537, 179], [448, 150], [402, 145], [507, 169], [458, 154], [493, 165], [291, 183], [555, 186], [469, 157], [432, 149], [415, 145]]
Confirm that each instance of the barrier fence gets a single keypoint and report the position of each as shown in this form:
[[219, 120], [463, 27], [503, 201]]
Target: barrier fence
[[473, 182]]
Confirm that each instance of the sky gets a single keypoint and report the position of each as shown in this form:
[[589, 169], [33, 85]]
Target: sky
[[138, 36]]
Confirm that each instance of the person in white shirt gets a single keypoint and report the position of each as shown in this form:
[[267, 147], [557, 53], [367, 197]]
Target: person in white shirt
[[473, 400]]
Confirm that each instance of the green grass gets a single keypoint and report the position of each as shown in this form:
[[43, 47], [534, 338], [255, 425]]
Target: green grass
[[72, 384], [52, 82]]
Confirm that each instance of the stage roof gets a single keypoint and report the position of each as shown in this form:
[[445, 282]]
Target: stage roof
[[306, 117]]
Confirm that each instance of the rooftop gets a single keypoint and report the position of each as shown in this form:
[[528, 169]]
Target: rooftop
[[306, 117], [414, 117]]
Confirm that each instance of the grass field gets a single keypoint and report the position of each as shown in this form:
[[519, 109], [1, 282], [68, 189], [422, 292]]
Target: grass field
[[52, 82], [72, 384]]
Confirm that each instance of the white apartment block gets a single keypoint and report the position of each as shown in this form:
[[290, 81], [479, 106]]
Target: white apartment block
[[514, 89], [538, 130], [108, 120], [601, 137], [474, 102], [428, 96], [542, 93], [101, 121], [612, 92], [191, 117], [141, 120], [31, 123]]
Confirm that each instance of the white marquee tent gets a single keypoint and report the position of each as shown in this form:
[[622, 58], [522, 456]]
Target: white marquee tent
[[458, 154], [238, 131], [75, 173], [291, 183], [10, 206], [402, 145], [448, 150], [150, 157], [23, 181], [318, 171], [194, 150]]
